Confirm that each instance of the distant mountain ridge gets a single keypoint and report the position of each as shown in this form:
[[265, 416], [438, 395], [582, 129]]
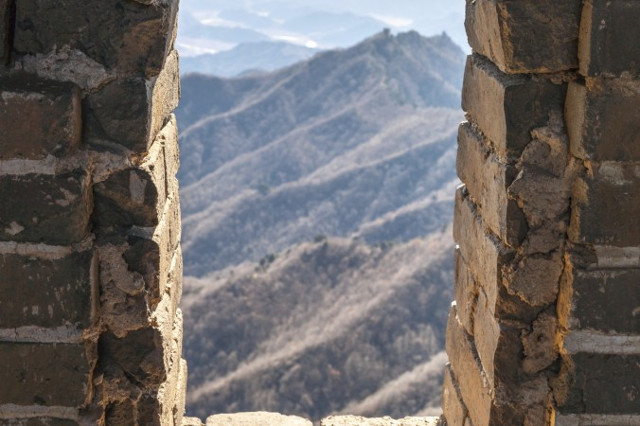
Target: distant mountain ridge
[[257, 56], [353, 142]]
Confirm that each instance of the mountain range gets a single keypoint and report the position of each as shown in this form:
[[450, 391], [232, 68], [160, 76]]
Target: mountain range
[[316, 205]]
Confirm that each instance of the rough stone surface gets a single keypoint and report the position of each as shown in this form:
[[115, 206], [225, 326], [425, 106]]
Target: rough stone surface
[[525, 36], [38, 118], [609, 30], [140, 44], [604, 384], [508, 107], [604, 120], [617, 307], [44, 292], [466, 292], [487, 180], [57, 210], [6, 7], [129, 111], [593, 220], [453, 408], [40, 371], [256, 418]]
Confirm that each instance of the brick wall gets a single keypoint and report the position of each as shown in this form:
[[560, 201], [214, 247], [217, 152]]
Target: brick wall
[[90, 265], [546, 324]]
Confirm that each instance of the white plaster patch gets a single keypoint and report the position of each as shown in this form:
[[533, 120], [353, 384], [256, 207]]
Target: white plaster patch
[[31, 334], [618, 257], [14, 229], [67, 65], [69, 198], [597, 419], [12, 411], [602, 343]]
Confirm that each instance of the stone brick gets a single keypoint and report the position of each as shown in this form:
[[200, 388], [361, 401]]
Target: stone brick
[[130, 111], [604, 384], [38, 118], [476, 388], [465, 291], [41, 371], [531, 36], [508, 107], [152, 255], [606, 300], [594, 220], [122, 35], [487, 180], [134, 196], [45, 208], [604, 120], [608, 40], [6, 9], [453, 407], [46, 293]]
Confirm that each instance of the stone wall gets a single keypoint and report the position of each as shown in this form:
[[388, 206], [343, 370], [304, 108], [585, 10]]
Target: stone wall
[[546, 324], [90, 262]]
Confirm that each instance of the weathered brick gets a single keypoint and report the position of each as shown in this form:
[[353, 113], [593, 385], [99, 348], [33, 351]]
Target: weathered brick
[[46, 293], [38, 117], [122, 35], [6, 9], [466, 292], [593, 218], [453, 407], [603, 384], [531, 36], [134, 196], [130, 111], [40, 371], [508, 107], [45, 208], [604, 120], [608, 40], [474, 388], [606, 300], [487, 180], [489, 263]]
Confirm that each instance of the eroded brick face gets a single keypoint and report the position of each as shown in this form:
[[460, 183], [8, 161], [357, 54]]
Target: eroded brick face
[[545, 324], [90, 259]]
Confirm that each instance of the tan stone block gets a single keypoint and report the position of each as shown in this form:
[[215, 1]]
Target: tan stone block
[[475, 387], [487, 180], [165, 96], [508, 107], [465, 291], [538, 36], [453, 407], [255, 418]]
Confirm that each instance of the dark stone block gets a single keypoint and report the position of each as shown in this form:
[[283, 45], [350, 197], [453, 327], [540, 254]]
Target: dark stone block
[[41, 372], [122, 35], [604, 121], [139, 355], [604, 384], [38, 118], [7, 8], [609, 38], [528, 36], [45, 293], [53, 209], [607, 300], [508, 107], [598, 204]]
